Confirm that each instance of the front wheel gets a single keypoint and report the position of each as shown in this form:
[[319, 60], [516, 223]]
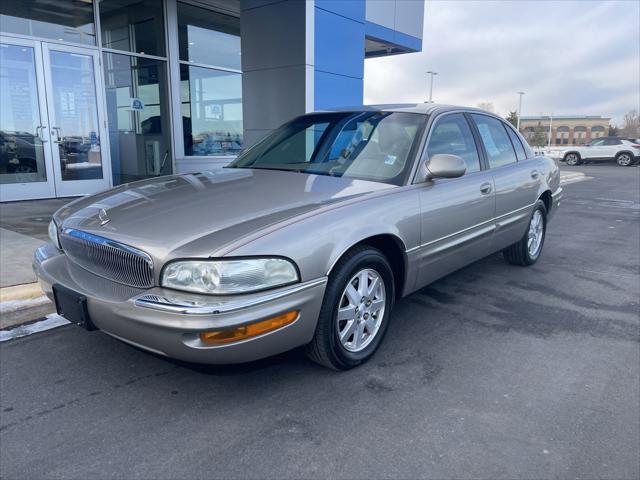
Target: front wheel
[[528, 249], [624, 159], [356, 310], [572, 159]]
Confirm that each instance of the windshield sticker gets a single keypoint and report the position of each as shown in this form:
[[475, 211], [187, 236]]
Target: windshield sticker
[[390, 159]]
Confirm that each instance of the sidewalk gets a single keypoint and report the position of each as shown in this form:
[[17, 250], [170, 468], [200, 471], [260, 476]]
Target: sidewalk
[[23, 228]]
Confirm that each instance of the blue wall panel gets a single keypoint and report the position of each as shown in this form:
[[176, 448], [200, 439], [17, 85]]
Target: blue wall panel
[[353, 9], [333, 91], [339, 44]]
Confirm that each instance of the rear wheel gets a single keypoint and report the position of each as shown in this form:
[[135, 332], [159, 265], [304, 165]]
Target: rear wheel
[[356, 310], [528, 249], [624, 159], [572, 159]]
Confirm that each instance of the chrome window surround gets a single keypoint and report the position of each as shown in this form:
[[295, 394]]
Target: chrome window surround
[[108, 258]]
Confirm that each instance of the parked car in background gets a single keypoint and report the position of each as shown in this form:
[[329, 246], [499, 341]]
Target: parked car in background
[[307, 239], [624, 151]]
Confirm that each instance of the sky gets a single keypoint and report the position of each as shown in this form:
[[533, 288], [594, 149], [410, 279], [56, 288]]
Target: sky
[[570, 57]]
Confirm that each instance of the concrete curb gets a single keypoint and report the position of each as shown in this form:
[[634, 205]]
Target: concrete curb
[[23, 303]]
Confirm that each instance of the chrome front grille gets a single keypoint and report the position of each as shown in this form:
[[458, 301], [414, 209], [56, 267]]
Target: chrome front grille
[[108, 259]]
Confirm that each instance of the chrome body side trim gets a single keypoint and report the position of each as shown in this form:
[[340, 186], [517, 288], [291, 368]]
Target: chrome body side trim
[[483, 229], [188, 306]]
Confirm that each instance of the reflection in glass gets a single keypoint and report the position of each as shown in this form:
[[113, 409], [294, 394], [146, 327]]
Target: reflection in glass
[[63, 20], [212, 109], [21, 150], [208, 37], [74, 126], [133, 26], [138, 112]]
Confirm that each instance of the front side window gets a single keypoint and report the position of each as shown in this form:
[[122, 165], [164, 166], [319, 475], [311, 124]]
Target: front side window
[[495, 140], [374, 146], [452, 135], [597, 143]]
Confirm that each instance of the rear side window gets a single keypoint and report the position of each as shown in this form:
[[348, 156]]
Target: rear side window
[[517, 144], [612, 141], [452, 135], [495, 140]]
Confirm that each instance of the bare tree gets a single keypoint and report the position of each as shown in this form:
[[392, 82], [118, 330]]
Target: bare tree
[[630, 125], [488, 106]]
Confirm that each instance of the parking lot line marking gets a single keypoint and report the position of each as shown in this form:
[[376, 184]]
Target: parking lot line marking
[[51, 321]]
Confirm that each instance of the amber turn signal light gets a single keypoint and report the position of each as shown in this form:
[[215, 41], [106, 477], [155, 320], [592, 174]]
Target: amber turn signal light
[[222, 337]]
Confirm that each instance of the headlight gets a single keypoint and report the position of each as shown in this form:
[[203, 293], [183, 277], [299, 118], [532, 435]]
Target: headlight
[[53, 234], [222, 277]]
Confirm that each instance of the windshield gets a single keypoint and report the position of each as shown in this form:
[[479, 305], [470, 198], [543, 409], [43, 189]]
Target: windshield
[[367, 145]]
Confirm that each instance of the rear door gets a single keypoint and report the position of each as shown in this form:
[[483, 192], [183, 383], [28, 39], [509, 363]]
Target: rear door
[[456, 213], [516, 177]]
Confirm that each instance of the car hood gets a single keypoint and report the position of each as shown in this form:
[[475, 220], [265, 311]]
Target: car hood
[[194, 215]]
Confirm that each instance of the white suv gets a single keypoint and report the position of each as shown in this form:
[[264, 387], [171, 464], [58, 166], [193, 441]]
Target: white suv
[[623, 150]]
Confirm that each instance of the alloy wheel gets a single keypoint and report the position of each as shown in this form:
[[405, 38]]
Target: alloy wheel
[[572, 159], [536, 234], [361, 310], [624, 160]]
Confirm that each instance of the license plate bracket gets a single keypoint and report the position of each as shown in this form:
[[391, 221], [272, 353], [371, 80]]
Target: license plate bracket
[[72, 306]]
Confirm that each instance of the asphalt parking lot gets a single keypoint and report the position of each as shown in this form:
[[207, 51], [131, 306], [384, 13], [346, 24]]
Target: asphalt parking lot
[[493, 372]]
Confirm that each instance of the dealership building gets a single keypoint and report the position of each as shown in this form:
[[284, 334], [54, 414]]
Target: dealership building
[[96, 93]]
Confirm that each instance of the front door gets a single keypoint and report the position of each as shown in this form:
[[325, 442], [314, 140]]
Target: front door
[[457, 213], [52, 130]]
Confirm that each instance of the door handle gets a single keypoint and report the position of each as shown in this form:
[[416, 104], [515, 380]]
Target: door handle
[[485, 188], [534, 174], [39, 132]]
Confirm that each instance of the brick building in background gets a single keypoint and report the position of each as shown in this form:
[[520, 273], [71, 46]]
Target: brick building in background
[[566, 129]]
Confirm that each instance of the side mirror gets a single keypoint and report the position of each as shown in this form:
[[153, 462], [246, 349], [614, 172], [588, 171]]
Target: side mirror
[[445, 166]]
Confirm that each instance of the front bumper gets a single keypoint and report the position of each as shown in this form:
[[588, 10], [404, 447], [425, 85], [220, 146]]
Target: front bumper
[[168, 322]]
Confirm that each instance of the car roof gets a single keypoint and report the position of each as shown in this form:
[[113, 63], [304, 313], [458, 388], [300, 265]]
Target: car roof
[[425, 108]]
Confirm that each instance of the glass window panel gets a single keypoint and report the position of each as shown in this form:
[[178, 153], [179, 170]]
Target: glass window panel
[[212, 121], [21, 151], [517, 144], [133, 26], [64, 20], [208, 37], [495, 139], [138, 113]]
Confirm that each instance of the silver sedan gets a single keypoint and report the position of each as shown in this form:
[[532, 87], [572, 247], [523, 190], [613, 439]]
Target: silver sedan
[[306, 239]]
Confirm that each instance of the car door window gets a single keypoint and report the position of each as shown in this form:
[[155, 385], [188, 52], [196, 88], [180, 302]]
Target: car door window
[[517, 144], [495, 140], [452, 135], [612, 141], [597, 143]]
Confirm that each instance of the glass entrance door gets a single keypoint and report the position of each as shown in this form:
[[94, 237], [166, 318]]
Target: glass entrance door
[[52, 129], [75, 127], [26, 166]]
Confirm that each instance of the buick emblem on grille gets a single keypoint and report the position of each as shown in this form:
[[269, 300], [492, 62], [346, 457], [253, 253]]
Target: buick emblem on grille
[[104, 218]]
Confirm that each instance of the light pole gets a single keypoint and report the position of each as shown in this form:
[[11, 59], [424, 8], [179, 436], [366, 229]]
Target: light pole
[[550, 125], [519, 109], [431, 85]]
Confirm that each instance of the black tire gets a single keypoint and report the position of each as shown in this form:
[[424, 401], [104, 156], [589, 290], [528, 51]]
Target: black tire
[[518, 253], [624, 159], [572, 159], [325, 348]]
